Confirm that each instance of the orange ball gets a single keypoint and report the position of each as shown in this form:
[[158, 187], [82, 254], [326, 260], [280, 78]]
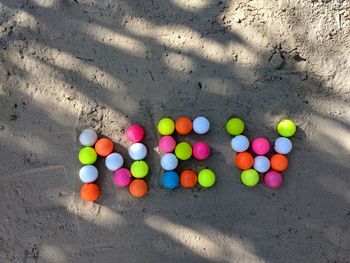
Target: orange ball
[[188, 178], [183, 125], [90, 192], [244, 160], [279, 162], [104, 147], [138, 188]]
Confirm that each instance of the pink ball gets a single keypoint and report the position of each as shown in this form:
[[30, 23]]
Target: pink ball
[[201, 150], [273, 179], [122, 177], [135, 133], [167, 144], [260, 146]]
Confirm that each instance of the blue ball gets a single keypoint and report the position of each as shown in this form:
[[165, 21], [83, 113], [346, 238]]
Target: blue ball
[[170, 180]]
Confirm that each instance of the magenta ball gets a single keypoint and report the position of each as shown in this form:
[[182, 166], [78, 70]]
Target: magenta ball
[[135, 133], [260, 146], [201, 150], [167, 144], [122, 177], [273, 179]]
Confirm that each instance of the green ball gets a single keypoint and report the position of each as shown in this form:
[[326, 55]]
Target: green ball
[[139, 169], [206, 178], [250, 177], [87, 155], [286, 128], [235, 126], [183, 151], [166, 126]]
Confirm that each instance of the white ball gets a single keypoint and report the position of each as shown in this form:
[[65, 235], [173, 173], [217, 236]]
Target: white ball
[[201, 125], [240, 143], [88, 137], [169, 161], [261, 164], [283, 145], [88, 173], [137, 151], [114, 161]]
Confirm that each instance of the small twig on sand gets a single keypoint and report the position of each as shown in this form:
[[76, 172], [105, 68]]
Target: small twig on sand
[[86, 59]]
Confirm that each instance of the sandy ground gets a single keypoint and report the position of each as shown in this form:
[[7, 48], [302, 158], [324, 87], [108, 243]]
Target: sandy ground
[[67, 65]]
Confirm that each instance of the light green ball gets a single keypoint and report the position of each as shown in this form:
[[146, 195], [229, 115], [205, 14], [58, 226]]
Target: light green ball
[[166, 126], [87, 155], [139, 169], [206, 178], [183, 151], [235, 126], [286, 128], [250, 177]]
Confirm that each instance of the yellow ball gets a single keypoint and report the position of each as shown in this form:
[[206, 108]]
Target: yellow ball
[[166, 126], [286, 128], [206, 178], [183, 151]]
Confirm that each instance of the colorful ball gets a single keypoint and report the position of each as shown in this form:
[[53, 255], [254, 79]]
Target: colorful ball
[[183, 151], [90, 192], [122, 177], [103, 147], [283, 145], [188, 178], [169, 161], [261, 164], [170, 180], [135, 133], [273, 179], [201, 150], [88, 173], [183, 125], [166, 126], [240, 143], [279, 162], [244, 160], [167, 144], [250, 177], [138, 188], [137, 151], [260, 146], [88, 137], [114, 161], [206, 178], [235, 126], [87, 155], [139, 169], [201, 125], [286, 128]]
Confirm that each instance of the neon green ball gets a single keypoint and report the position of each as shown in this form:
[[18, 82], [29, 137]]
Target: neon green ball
[[250, 177], [139, 169], [183, 151], [235, 126], [206, 178], [166, 126], [286, 128], [87, 155]]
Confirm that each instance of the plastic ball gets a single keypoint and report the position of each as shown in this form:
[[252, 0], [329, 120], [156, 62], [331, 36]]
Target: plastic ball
[[166, 126], [260, 146], [235, 126], [88, 137], [201, 125], [206, 178], [114, 161], [87, 155], [170, 180], [273, 179], [286, 128], [137, 151], [188, 178], [283, 145], [244, 160], [90, 192], [167, 144], [139, 169], [135, 133], [250, 177], [103, 147], [169, 161], [183, 125], [240, 143], [279, 162], [261, 164], [122, 177], [138, 188], [88, 173], [183, 151], [201, 150]]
